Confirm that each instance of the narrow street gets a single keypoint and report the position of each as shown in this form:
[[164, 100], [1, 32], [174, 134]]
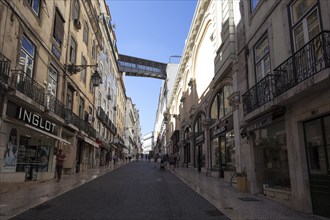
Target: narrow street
[[138, 190]]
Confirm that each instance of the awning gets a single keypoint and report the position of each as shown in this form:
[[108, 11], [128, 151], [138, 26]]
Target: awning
[[46, 133], [91, 142]]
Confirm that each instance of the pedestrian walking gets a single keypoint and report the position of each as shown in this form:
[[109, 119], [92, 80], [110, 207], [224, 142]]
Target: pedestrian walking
[[114, 159], [107, 159], [60, 158]]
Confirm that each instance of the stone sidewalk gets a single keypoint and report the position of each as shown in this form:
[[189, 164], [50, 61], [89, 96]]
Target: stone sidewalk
[[17, 198]]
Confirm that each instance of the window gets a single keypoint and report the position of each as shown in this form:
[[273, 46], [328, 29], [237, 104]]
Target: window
[[69, 98], [58, 28], [305, 22], [81, 108], [26, 60], [83, 72], [254, 4], [75, 10], [35, 5], [51, 87], [94, 50], [220, 106], [261, 59], [73, 51], [86, 31]]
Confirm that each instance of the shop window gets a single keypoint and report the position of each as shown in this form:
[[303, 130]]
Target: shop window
[[271, 153], [33, 156]]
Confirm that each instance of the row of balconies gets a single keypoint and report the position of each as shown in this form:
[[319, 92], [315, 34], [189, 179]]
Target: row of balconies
[[32, 89], [104, 118], [306, 62]]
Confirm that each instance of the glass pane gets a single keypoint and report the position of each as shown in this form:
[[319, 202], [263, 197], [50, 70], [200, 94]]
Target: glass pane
[[313, 25], [254, 4], [315, 147], [214, 109], [28, 46], [230, 151], [300, 7], [222, 151], [259, 73], [215, 154], [299, 37], [221, 105], [227, 90], [261, 49], [36, 6]]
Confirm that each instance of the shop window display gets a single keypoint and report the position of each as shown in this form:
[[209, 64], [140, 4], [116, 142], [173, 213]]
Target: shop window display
[[32, 158], [271, 143]]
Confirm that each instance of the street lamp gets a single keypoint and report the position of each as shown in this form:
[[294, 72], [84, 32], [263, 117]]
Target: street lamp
[[74, 69]]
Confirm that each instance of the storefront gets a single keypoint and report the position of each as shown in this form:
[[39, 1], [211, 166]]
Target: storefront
[[200, 150], [30, 141], [223, 147]]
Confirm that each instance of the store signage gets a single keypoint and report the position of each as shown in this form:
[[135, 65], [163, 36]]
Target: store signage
[[35, 120], [220, 130], [259, 123]]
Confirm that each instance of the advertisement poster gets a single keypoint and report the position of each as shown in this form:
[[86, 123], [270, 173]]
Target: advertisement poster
[[10, 155]]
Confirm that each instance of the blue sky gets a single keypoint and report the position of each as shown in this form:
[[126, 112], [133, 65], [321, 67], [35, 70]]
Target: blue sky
[[153, 30]]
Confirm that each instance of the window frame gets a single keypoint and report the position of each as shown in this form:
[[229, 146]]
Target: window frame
[[28, 55], [83, 72], [303, 22], [73, 60], [86, 33], [58, 29], [33, 4], [75, 10], [261, 60]]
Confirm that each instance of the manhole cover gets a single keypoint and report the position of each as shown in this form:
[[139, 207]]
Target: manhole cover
[[214, 212], [248, 199]]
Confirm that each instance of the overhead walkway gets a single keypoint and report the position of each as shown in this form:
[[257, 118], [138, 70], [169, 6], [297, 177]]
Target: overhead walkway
[[133, 66]]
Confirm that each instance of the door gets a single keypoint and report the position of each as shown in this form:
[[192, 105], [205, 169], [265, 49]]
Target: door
[[199, 158], [317, 142], [222, 156]]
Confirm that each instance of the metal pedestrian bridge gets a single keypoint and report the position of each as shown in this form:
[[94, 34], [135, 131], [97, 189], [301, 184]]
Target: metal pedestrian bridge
[[133, 66]]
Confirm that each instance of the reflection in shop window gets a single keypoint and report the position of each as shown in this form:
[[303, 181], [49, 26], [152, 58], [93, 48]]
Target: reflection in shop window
[[271, 151]]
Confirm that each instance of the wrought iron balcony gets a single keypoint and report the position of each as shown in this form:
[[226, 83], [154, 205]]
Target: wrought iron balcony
[[28, 86], [80, 123], [259, 94], [103, 117], [54, 105], [306, 62], [4, 69]]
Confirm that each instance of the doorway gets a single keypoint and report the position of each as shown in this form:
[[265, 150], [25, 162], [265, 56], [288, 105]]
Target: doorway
[[317, 142]]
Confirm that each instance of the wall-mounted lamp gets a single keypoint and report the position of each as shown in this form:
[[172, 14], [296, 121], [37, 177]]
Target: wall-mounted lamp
[[74, 69]]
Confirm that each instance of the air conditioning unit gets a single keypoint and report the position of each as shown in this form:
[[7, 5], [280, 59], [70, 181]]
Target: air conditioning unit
[[77, 24]]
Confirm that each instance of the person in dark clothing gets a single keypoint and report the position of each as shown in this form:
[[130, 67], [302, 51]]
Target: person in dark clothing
[[60, 158]]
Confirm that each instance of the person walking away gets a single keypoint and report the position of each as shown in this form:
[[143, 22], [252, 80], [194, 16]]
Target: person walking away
[[60, 157], [107, 159], [114, 159]]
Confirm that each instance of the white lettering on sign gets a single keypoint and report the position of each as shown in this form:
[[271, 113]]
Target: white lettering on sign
[[36, 120]]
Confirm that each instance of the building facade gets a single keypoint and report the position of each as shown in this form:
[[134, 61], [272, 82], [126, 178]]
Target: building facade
[[250, 102], [48, 97]]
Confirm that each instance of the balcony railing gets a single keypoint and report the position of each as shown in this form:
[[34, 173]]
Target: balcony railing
[[4, 69], [28, 86], [101, 114], [259, 94], [80, 123], [306, 62], [54, 105]]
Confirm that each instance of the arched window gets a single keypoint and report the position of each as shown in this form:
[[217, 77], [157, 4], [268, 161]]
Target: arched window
[[220, 105], [198, 128]]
